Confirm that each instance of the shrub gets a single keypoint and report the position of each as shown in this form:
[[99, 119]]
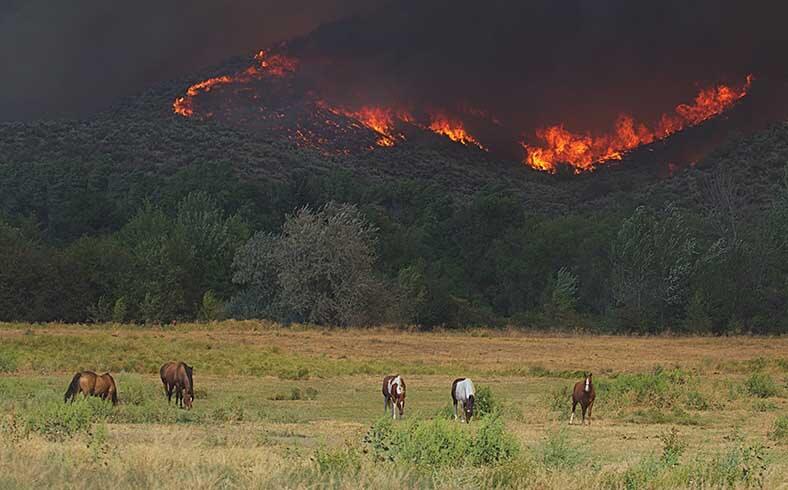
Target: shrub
[[779, 430], [672, 447], [57, 421], [119, 311], [212, 309], [556, 451], [761, 385], [441, 443], [493, 444], [344, 461], [485, 403], [660, 388], [7, 362]]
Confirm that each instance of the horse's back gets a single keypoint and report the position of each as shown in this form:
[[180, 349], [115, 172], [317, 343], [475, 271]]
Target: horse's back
[[387, 381], [165, 370], [462, 389]]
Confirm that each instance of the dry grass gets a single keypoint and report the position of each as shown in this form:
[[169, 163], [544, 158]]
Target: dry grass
[[240, 436]]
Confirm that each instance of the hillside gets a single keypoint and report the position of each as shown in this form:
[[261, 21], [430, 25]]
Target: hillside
[[485, 236]]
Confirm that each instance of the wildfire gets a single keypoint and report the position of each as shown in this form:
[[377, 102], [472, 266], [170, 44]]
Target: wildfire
[[585, 152], [267, 65], [452, 129], [380, 120]]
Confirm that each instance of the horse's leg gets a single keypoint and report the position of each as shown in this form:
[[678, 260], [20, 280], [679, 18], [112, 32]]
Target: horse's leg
[[572, 418], [455, 409], [168, 388], [590, 405], [394, 409], [385, 404], [583, 408]]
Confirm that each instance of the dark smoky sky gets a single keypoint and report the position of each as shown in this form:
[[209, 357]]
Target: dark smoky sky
[[531, 62], [70, 58], [536, 62]]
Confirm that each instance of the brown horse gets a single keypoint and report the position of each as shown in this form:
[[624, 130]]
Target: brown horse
[[178, 376], [91, 384], [584, 394], [394, 394]]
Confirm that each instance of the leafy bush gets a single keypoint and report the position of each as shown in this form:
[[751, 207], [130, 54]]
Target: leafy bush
[[484, 403], [57, 421], [761, 385], [660, 388], [441, 443]]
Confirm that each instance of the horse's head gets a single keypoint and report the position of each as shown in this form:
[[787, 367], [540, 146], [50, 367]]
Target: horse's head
[[469, 409], [400, 393], [187, 399], [587, 385]]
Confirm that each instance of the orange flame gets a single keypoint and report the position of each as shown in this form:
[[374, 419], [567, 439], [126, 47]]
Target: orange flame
[[268, 65], [585, 152], [452, 129]]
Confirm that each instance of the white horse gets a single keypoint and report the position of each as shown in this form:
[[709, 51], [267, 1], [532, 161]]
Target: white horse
[[394, 394], [462, 391]]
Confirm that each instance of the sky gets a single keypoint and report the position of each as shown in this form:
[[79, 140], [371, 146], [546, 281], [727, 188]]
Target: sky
[[540, 59], [71, 58]]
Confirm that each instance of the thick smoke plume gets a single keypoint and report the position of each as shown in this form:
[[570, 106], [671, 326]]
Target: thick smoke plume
[[528, 63], [70, 58]]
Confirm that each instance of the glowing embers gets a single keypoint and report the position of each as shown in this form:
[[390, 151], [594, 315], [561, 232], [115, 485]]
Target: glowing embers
[[586, 151]]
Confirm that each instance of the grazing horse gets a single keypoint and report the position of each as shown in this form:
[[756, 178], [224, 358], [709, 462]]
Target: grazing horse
[[394, 394], [584, 394], [91, 384], [177, 376], [462, 391]]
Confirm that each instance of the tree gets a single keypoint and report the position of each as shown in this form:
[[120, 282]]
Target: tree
[[318, 270], [653, 260], [561, 295]]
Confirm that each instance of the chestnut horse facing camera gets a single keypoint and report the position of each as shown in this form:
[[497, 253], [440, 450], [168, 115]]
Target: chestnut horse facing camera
[[91, 384], [584, 394], [177, 376], [394, 394]]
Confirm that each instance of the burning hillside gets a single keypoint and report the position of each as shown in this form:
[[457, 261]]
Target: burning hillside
[[585, 151], [273, 96]]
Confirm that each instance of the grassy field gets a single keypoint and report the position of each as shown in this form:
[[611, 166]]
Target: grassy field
[[299, 407]]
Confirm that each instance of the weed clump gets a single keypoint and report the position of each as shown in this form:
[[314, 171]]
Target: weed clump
[[440, 443], [761, 385]]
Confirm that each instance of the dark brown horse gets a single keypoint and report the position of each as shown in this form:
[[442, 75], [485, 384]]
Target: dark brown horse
[[91, 384], [584, 394], [394, 394], [177, 376]]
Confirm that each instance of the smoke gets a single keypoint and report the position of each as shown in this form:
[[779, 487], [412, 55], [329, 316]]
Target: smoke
[[72, 58], [539, 62], [531, 62]]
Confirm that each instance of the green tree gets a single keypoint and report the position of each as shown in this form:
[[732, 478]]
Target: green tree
[[654, 256]]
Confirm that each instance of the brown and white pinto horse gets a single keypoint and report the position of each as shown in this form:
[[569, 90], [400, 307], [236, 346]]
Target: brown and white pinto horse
[[394, 394], [91, 384], [584, 394], [463, 393]]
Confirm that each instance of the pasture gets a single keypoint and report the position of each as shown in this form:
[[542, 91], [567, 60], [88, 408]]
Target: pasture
[[301, 407]]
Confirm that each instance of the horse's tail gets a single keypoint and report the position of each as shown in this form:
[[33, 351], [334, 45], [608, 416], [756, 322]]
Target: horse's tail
[[114, 395], [73, 388]]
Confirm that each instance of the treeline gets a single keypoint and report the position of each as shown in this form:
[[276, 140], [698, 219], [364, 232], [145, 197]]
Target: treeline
[[331, 249]]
